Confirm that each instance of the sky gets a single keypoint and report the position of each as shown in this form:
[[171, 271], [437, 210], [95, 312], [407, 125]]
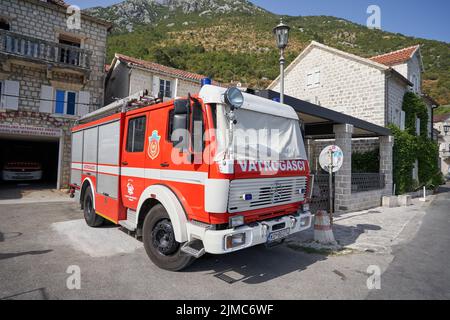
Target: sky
[[424, 19]]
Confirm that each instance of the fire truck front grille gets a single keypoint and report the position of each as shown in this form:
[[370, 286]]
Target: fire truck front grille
[[264, 193]]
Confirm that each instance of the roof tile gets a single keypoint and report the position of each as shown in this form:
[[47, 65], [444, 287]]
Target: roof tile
[[162, 69], [441, 117], [396, 57]]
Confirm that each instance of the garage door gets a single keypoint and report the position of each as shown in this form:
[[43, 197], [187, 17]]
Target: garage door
[[31, 161]]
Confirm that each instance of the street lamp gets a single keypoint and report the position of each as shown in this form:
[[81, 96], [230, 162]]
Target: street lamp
[[281, 32]]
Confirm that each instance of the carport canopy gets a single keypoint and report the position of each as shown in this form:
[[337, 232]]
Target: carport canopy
[[319, 121]]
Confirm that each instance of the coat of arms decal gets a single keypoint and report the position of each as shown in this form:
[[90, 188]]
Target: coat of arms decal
[[153, 145]]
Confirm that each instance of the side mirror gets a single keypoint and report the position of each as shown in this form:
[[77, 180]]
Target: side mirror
[[180, 133]]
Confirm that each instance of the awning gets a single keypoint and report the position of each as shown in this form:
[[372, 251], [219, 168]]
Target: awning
[[319, 121]]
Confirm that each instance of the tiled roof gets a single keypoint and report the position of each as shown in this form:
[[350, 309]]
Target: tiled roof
[[59, 3], [396, 57], [159, 68], [441, 117]]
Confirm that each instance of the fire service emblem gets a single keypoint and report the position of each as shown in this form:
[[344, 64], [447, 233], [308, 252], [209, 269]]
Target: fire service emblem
[[153, 145]]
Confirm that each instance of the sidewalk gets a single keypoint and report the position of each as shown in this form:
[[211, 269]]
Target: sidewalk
[[375, 230]]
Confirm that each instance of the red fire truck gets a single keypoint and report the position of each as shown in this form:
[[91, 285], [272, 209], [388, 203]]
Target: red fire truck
[[189, 176]]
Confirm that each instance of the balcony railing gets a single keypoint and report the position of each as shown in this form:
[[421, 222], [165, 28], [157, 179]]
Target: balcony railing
[[37, 49], [367, 182]]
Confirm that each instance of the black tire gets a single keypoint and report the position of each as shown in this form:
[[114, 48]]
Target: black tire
[[92, 219], [159, 241]]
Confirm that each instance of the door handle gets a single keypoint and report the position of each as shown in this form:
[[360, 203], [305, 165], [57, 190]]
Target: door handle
[[164, 164], [124, 163]]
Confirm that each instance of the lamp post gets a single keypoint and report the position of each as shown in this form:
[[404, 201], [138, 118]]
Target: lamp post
[[281, 32]]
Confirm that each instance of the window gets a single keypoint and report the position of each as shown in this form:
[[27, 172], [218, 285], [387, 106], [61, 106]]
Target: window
[[198, 127], [417, 127], [65, 102], [402, 120], [136, 134], [313, 79], [164, 87], [68, 55], [4, 25]]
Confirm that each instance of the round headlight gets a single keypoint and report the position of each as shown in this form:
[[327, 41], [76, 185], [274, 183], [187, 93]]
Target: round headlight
[[234, 97]]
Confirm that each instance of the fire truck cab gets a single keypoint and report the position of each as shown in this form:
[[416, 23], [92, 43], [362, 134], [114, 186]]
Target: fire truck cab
[[216, 172]]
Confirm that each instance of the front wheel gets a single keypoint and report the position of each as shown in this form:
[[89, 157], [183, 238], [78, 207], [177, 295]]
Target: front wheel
[[90, 216], [159, 241]]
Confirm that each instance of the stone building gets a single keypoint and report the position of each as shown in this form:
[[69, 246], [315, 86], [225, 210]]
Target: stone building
[[52, 61], [128, 75], [368, 89], [442, 124]]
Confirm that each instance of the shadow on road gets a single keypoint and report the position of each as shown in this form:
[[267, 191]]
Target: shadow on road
[[4, 256], [9, 235], [41, 295], [347, 235], [255, 265], [17, 190], [443, 188], [260, 264]]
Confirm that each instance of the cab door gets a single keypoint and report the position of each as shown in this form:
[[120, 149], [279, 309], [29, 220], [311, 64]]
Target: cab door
[[132, 162], [185, 170]]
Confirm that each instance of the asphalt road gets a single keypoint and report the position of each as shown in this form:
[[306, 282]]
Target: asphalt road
[[421, 268], [40, 243]]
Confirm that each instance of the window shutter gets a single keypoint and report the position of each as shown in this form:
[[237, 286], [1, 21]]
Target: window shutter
[[11, 95], [84, 98], [309, 79], [317, 78], [402, 120], [46, 104], [155, 89]]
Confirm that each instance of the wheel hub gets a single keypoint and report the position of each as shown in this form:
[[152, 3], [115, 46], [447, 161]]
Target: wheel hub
[[163, 238]]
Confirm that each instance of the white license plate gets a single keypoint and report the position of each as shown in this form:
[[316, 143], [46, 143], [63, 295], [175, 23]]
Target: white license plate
[[277, 235]]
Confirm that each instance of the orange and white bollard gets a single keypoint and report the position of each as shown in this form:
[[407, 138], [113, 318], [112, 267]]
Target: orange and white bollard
[[323, 233]]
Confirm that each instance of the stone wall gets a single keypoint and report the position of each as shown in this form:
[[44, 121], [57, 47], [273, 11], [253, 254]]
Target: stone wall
[[395, 92], [47, 22], [185, 87], [346, 85], [143, 80], [36, 19]]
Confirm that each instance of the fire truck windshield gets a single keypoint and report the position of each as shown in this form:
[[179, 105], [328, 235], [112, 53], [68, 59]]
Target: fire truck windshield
[[257, 136]]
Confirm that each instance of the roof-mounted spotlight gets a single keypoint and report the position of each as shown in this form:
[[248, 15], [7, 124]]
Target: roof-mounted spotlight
[[234, 98]]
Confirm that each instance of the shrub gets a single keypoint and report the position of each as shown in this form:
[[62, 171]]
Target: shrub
[[366, 161]]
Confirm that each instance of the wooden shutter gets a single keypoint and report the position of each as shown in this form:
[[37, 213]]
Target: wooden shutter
[[155, 89], [11, 95], [84, 98], [402, 120], [46, 103]]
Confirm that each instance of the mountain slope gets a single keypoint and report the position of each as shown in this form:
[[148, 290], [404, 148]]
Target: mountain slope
[[231, 40]]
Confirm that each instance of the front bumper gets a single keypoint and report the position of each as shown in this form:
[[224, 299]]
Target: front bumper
[[21, 175], [255, 233]]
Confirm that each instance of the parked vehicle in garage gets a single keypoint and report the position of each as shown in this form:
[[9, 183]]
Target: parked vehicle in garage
[[21, 170]]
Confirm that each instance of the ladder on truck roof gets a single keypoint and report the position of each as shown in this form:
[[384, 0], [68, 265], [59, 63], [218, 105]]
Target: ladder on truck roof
[[137, 100]]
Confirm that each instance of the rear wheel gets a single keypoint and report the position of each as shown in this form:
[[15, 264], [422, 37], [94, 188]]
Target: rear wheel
[[92, 219], [159, 241]]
